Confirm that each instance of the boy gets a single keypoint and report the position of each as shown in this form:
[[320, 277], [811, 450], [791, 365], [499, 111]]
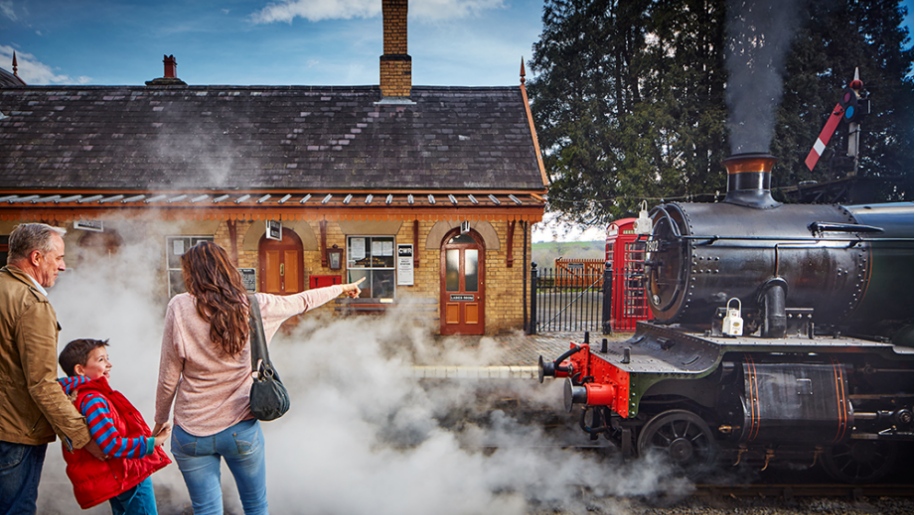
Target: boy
[[132, 453]]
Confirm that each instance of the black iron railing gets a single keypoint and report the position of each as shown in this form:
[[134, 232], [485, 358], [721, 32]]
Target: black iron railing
[[568, 298]]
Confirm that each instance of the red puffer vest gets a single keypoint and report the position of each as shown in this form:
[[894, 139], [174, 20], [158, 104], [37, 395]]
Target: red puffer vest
[[95, 481]]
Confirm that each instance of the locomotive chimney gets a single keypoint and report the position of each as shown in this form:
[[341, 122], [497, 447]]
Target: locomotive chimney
[[749, 180]]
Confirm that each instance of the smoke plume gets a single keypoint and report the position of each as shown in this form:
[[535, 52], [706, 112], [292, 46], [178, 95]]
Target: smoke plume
[[759, 36], [363, 434]]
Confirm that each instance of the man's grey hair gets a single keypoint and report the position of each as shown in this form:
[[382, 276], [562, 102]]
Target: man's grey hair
[[28, 237]]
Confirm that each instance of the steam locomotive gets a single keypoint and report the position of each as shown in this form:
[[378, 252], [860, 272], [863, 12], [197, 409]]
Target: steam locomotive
[[780, 334]]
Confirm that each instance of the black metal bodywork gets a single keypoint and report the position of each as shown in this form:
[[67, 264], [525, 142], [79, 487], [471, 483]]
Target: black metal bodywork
[[821, 370], [845, 267]]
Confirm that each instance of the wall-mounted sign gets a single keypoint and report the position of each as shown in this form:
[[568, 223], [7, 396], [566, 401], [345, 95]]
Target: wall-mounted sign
[[249, 278], [454, 297], [89, 225], [465, 227], [335, 258], [404, 265], [274, 230]]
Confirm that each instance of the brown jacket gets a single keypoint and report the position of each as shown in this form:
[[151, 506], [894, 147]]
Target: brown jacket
[[32, 404]]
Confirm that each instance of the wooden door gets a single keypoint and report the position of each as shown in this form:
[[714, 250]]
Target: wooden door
[[463, 292], [281, 264]]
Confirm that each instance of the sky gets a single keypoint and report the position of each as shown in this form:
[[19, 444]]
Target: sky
[[273, 42], [260, 42]]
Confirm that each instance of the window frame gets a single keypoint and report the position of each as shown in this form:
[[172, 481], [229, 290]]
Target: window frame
[[369, 271], [170, 271]]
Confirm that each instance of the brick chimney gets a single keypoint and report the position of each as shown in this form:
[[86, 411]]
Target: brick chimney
[[170, 77], [171, 67], [396, 64]]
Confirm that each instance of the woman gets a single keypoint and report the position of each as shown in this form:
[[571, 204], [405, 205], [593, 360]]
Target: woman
[[205, 369]]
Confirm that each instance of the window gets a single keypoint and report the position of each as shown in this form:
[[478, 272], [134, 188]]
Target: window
[[371, 257], [4, 249], [175, 247]]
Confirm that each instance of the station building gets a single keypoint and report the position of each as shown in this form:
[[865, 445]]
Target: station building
[[427, 192]]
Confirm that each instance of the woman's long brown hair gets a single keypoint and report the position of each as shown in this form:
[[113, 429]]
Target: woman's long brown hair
[[220, 294]]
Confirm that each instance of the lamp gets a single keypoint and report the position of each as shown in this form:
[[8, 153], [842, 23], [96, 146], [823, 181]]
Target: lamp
[[335, 258]]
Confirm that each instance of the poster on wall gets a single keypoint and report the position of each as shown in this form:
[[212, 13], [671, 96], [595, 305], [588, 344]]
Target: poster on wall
[[404, 265], [89, 225], [249, 278], [274, 230]]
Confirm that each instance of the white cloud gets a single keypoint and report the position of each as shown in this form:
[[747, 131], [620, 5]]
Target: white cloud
[[317, 10], [422, 10], [6, 9], [437, 10], [33, 71], [555, 228]]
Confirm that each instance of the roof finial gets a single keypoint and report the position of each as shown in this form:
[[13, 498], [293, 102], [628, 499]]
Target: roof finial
[[15, 65], [856, 84], [522, 70]]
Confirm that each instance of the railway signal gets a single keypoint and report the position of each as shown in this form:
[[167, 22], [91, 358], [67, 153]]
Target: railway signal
[[851, 108]]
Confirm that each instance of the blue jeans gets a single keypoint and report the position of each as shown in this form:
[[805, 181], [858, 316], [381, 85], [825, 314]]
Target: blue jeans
[[139, 500], [20, 471], [198, 458]]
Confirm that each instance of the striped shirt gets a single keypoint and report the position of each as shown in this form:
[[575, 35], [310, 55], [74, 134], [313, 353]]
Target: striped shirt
[[98, 415]]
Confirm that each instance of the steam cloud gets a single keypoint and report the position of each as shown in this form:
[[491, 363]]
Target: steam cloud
[[759, 37], [363, 435]]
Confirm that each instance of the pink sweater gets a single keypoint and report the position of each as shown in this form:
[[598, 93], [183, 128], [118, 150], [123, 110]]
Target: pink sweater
[[209, 389]]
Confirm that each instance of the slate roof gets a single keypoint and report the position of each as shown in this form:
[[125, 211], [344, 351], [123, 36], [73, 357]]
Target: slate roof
[[290, 138], [8, 79]]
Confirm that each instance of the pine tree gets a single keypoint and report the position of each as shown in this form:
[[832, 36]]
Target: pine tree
[[629, 99]]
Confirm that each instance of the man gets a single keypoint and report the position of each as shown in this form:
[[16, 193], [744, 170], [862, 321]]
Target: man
[[33, 407]]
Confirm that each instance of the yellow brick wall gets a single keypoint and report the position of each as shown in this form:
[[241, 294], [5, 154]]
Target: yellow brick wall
[[396, 77], [396, 67], [246, 258], [504, 287], [505, 300]]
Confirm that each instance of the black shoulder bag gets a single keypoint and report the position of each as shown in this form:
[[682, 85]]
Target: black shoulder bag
[[269, 399]]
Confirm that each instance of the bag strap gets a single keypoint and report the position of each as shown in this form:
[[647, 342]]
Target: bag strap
[[258, 341]]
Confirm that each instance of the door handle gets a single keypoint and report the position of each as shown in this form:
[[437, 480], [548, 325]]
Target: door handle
[[282, 269]]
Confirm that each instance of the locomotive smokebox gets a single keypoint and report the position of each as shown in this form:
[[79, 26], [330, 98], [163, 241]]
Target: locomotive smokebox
[[795, 268], [749, 180]]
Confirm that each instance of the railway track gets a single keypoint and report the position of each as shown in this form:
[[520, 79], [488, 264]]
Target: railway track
[[790, 491]]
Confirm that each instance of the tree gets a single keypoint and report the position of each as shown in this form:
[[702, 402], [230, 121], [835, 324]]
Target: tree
[[629, 97], [844, 35]]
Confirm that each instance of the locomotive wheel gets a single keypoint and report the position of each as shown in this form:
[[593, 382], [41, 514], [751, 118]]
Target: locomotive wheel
[[682, 436], [860, 461]]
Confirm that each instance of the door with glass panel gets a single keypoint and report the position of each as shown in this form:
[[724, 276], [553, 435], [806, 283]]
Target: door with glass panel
[[463, 293]]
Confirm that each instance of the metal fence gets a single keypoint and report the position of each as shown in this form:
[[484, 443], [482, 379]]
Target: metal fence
[[569, 298]]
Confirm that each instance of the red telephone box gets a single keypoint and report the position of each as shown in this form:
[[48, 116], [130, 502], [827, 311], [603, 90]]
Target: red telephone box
[[626, 254]]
